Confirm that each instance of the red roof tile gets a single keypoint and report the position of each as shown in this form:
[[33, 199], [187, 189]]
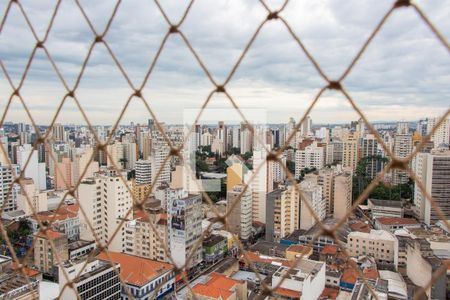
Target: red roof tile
[[136, 270]]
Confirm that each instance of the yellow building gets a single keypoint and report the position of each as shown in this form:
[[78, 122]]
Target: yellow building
[[235, 175], [350, 151], [140, 191]]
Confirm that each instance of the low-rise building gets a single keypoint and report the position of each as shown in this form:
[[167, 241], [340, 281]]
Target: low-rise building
[[93, 279], [214, 248], [380, 244], [393, 223], [397, 288], [144, 278], [307, 279], [385, 208], [378, 290], [80, 248], [322, 240], [14, 285], [219, 286], [295, 252]]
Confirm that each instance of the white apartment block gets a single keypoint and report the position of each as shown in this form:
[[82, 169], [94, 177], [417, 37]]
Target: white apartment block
[[106, 201], [311, 193], [433, 170], [381, 245], [442, 133], [34, 169], [260, 185], [239, 221], [185, 229], [307, 279], [310, 157], [8, 194], [402, 148], [143, 172]]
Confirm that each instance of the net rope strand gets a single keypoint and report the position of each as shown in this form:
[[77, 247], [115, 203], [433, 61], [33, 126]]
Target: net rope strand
[[175, 28]]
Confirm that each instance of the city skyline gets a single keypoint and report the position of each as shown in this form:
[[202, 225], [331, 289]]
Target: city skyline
[[394, 76]]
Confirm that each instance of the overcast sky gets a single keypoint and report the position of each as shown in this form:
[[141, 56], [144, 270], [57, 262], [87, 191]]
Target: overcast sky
[[404, 74]]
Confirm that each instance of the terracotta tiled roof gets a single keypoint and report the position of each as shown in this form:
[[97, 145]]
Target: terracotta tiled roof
[[329, 250], [206, 291], [350, 275], [299, 249], [62, 213], [29, 272], [360, 226], [329, 293], [218, 285], [370, 273], [136, 270], [49, 234], [255, 257], [73, 208], [396, 221], [287, 293]]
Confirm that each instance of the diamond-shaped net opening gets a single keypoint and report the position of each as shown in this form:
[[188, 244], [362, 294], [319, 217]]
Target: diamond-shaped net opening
[[102, 149]]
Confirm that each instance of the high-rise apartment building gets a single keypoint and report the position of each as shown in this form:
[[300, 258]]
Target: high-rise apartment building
[[150, 234], [402, 148], [433, 170], [283, 206], [350, 151], [31, 200], [442, 133], [160, 167], [261, 184], [312, 156], [143, 172], [58, 133], [106, 201], [8, 190], [342, 194], [312, 195], [34, 169], [185, 229], [239, 221], [368, 151]]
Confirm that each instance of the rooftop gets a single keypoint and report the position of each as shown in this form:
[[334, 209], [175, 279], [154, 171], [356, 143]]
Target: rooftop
[[49, 234], [218, 286], [303, 269], [291, 294], [136, 270], [212, 240], [79, 244], [397, 221], [269, 248], [389, 203], [374, 234], [329, 250]]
